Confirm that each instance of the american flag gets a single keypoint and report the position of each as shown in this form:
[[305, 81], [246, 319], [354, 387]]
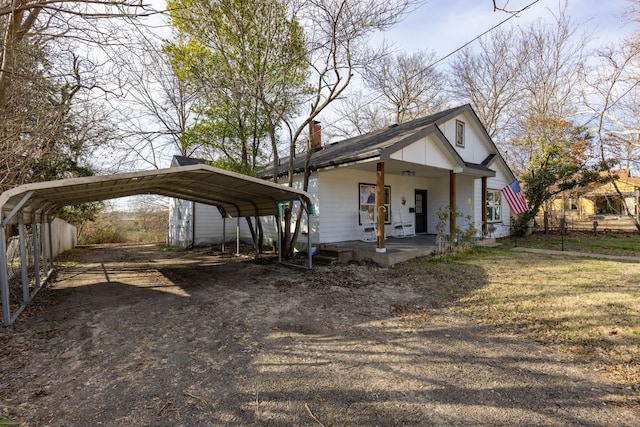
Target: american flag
[[515, 199]]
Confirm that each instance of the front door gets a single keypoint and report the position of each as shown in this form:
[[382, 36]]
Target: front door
[[421, 211]]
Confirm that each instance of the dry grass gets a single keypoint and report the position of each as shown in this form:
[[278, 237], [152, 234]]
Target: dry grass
[[588, 308], [612, 243]]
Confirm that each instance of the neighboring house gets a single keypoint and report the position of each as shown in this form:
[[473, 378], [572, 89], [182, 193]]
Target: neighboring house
[[446, 159], [599, 201]]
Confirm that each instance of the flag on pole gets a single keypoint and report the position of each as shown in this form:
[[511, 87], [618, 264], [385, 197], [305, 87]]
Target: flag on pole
[[513, 194]]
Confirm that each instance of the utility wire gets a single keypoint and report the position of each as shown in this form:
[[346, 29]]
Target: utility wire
[[453, 52]]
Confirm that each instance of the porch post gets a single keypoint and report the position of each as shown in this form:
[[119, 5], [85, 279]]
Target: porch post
[[485, 229], [380, 207], [452, 203]]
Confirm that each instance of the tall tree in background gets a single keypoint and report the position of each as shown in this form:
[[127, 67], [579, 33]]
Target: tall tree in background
[[43, 76], [246, 62], [153, 107], [524, 86], [488, 79], [611, 96], [409, 85], [361, 113], [337, 44]]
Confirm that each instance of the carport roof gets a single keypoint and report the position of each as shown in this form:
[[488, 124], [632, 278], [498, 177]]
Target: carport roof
[[234, 194]]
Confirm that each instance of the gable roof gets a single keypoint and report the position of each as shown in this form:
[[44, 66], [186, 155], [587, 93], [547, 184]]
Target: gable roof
[[381, 143]]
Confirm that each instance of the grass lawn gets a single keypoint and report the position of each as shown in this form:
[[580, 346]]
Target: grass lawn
[[584, 307], [619, 243]]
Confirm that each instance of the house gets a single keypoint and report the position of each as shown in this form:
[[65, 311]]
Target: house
[[425, 166], [615, 204]]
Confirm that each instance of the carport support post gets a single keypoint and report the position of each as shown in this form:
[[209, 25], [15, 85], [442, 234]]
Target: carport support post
[[256, 243], [224, 231], [238, 236], [43, 242], [279, 231], [309, 252], [36, 253], [4, 276], [23, 258], [51, 256]]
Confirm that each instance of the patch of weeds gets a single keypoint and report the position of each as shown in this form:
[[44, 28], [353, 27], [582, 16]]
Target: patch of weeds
[[5, 419]]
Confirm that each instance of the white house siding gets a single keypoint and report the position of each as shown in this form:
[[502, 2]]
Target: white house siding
[[339, 192], [465, 198], [338, 213], [424, 152], [180, 227], [313, 191], [498, 183], [210, 228], [476, 148], [437, 198]]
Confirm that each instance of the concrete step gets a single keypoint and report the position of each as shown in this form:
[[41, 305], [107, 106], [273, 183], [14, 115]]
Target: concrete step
[[324, 260], [339, 255]]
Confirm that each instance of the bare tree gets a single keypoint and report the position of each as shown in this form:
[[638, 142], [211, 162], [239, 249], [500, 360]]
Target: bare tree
[[408, 83], [154, 108], [338, 34], [521, 81], [488, 80], [45, 77], [359, 114], [611, 97]]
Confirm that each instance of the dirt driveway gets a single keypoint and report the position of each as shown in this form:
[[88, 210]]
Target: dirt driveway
[[131, 335]]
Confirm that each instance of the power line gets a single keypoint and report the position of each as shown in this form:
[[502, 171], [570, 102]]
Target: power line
[[453, 52]]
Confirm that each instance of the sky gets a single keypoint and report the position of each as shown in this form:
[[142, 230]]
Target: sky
[[445, 25]]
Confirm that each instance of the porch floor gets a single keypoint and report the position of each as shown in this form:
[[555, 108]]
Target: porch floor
[[397, 250]]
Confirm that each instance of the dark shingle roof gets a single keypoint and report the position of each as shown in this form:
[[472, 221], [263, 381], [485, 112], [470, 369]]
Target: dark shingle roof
[[187, 161], [369, 146], [365, 146]]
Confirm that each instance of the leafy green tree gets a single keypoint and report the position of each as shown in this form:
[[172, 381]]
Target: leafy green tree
[[246, 61], [559, 159]]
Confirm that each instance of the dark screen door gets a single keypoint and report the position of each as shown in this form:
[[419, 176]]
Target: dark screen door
[[421, 211]]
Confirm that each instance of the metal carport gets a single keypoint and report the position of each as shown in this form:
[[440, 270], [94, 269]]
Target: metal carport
[[235, 195]]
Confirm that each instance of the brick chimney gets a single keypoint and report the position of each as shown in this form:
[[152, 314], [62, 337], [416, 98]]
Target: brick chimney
[[315, 135]]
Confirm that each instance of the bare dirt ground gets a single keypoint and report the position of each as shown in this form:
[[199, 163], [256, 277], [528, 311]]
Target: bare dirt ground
[[131, 335]]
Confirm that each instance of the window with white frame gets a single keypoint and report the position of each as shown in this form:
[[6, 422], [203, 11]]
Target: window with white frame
[[367, 201], [494, 205], [459, 133]]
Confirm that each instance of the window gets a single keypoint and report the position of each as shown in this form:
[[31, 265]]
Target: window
[[494, 205], [459, 133], [367, 201], [571, 204]]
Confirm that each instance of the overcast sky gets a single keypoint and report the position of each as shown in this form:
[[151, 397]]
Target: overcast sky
[[445, 25]]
